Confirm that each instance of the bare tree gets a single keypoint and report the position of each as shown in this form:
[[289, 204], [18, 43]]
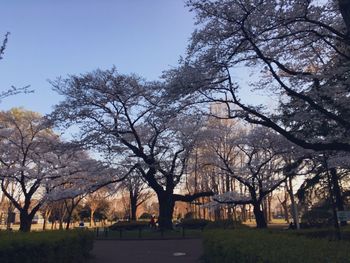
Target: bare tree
[[138, 192]]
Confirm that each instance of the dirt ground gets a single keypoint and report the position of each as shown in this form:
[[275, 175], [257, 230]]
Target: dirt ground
[[147, 251]]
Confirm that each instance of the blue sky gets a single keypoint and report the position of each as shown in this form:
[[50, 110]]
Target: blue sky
[[56, 38]]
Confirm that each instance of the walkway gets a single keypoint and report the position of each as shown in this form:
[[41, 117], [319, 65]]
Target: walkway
[[147, 251]]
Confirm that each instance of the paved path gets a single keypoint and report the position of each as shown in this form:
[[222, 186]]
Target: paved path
[[147, 251]]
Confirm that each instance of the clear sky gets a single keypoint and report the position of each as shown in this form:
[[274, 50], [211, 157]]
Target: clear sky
[[52, 38]]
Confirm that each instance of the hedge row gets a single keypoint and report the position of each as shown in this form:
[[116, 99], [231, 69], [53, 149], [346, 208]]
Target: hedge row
[[254, 246], [45, 247], [327, 233], [207, 224], [126, 225]]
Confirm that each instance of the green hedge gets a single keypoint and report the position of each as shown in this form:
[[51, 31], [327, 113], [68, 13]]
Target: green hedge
[[45, 247], [327, 233], [225, 224], [132, 225], [194, 223], [254, 246]]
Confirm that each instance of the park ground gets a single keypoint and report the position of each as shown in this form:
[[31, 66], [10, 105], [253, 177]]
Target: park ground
[[147, 251], [154, 251]]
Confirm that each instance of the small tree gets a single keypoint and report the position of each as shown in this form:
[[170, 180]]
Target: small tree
[[136, 187]]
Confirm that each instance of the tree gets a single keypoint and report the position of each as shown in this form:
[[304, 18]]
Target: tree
[[126, 117], [326, 182], [137, 190], [96, 201], [39, 166], [13, 90], [24, 147], [296, 51], [256, 161]]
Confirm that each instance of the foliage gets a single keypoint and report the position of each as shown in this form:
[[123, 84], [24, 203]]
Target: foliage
[[252, 245], [317, 218], [126, 225], [45, 247], [329, 233], [124, 116], [145, 215], [189, 215], [39, 166], [255, 158], [296, 52]]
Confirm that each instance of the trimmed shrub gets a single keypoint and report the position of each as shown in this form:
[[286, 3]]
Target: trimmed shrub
[[327, 233], [189, 215], [45, 247], [251, 245], [194, 223], [225, 224], [145, 216], [132, 225]]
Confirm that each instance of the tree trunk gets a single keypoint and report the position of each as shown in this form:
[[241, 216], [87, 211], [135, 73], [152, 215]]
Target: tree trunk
[[10, 210], [25, 221], [259, 216], [69, 219], [269, 209], [264, 208], [60, 225], [46, 216], [295, 212], [339, 202], [334, 207], [243, 212], [92, 212], [133, 207], [166, 209], [344, 6]]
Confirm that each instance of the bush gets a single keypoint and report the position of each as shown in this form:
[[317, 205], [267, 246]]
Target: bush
[[189, 215], [45, 247], [194, 223], [251, 245], [317, 218], [145, 216], [225, 224], [132, 225], [327, 233]]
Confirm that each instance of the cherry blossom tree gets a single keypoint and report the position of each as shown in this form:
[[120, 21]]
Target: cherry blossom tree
[[13, 90], [39, 167], [295, 51], [125, 117], [255, 159]]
